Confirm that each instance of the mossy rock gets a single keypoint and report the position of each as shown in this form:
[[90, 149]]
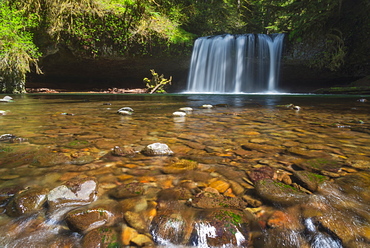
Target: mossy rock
[[279, 193], [310, 180], [320, 164], [78, 144]]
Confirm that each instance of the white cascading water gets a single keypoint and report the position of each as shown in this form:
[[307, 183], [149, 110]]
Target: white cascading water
[[235, 64]]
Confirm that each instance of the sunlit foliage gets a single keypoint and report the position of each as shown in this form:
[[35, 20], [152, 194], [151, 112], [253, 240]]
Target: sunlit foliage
[[17, 50]]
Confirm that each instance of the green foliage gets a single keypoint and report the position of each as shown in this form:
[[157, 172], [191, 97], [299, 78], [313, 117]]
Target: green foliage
[[17, 50], [130, 28], [157, 83]]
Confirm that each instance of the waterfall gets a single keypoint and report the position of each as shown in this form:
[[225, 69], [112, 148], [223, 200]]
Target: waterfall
[[235, 64]]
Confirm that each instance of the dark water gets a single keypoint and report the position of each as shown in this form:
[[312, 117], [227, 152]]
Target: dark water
[[338, 126]]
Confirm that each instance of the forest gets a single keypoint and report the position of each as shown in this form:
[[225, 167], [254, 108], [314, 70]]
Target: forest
[[94, 29]]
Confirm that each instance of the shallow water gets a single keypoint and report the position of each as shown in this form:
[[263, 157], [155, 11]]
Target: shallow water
[[87, 126]]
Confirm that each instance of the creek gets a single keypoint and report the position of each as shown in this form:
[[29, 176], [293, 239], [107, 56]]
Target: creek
[[253, 170]]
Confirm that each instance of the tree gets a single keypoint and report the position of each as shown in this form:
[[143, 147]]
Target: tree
[[17, 50]]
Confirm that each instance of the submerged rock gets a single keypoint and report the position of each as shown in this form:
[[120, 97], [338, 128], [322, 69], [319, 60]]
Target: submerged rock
[[207, 200], [87, 218], [7, 137], [101, 237], [128, 190], [123, 151], [157, 149], [320, 164], [27, 201], [73, 193], [309, 180], [279, 193], [221, 228]]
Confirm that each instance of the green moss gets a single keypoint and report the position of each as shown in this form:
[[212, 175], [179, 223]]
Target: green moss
[[229, 215], [316, 177], [285, 186], [78, 144]]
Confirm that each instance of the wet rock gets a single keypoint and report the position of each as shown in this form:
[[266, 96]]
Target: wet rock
[[237, 189], [309, 180], [289, 219], [84, 159], [123, 151], [186, 109], [320, 164], [356, 185], [360, 164], [73, 193], [125, 111], [127, 190], [50, 159], [276, 237], [221, 228], [308, 153], [136, 220], [142, 240], [220, 185], [6, 99], [231, 173], [7, 137], [197, 176], [177, 193], [78, 144], [27, 201], [6, 193], [180, 166], [262, 147], [261, 173], [320, 236], [279, 193], [157, 149], [133, 204], [215, 200], [173, 224], [128, 234], [103, 237], [179, 113], [87, 218]]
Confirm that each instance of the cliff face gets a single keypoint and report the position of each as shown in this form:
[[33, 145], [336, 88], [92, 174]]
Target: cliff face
[[63, 70]]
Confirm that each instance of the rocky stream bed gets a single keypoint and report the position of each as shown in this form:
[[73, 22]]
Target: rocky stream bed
[[247, 171]]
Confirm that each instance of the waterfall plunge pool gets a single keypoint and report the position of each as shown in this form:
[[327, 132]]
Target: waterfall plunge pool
[[250, 172]]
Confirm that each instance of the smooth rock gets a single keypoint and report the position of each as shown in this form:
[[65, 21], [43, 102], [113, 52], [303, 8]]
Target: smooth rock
[[76, 192], [27, 201], [101, 237], [128, 234], [179, 113], [157, 149], [279, 193], [128, 190], [87, 218], [136, 220]]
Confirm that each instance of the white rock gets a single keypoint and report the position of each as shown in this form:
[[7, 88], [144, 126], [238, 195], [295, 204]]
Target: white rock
[[207, 106], [296, 108], [156, 149], [124, 112], [6, 99], [186, 109], [179, 113]]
